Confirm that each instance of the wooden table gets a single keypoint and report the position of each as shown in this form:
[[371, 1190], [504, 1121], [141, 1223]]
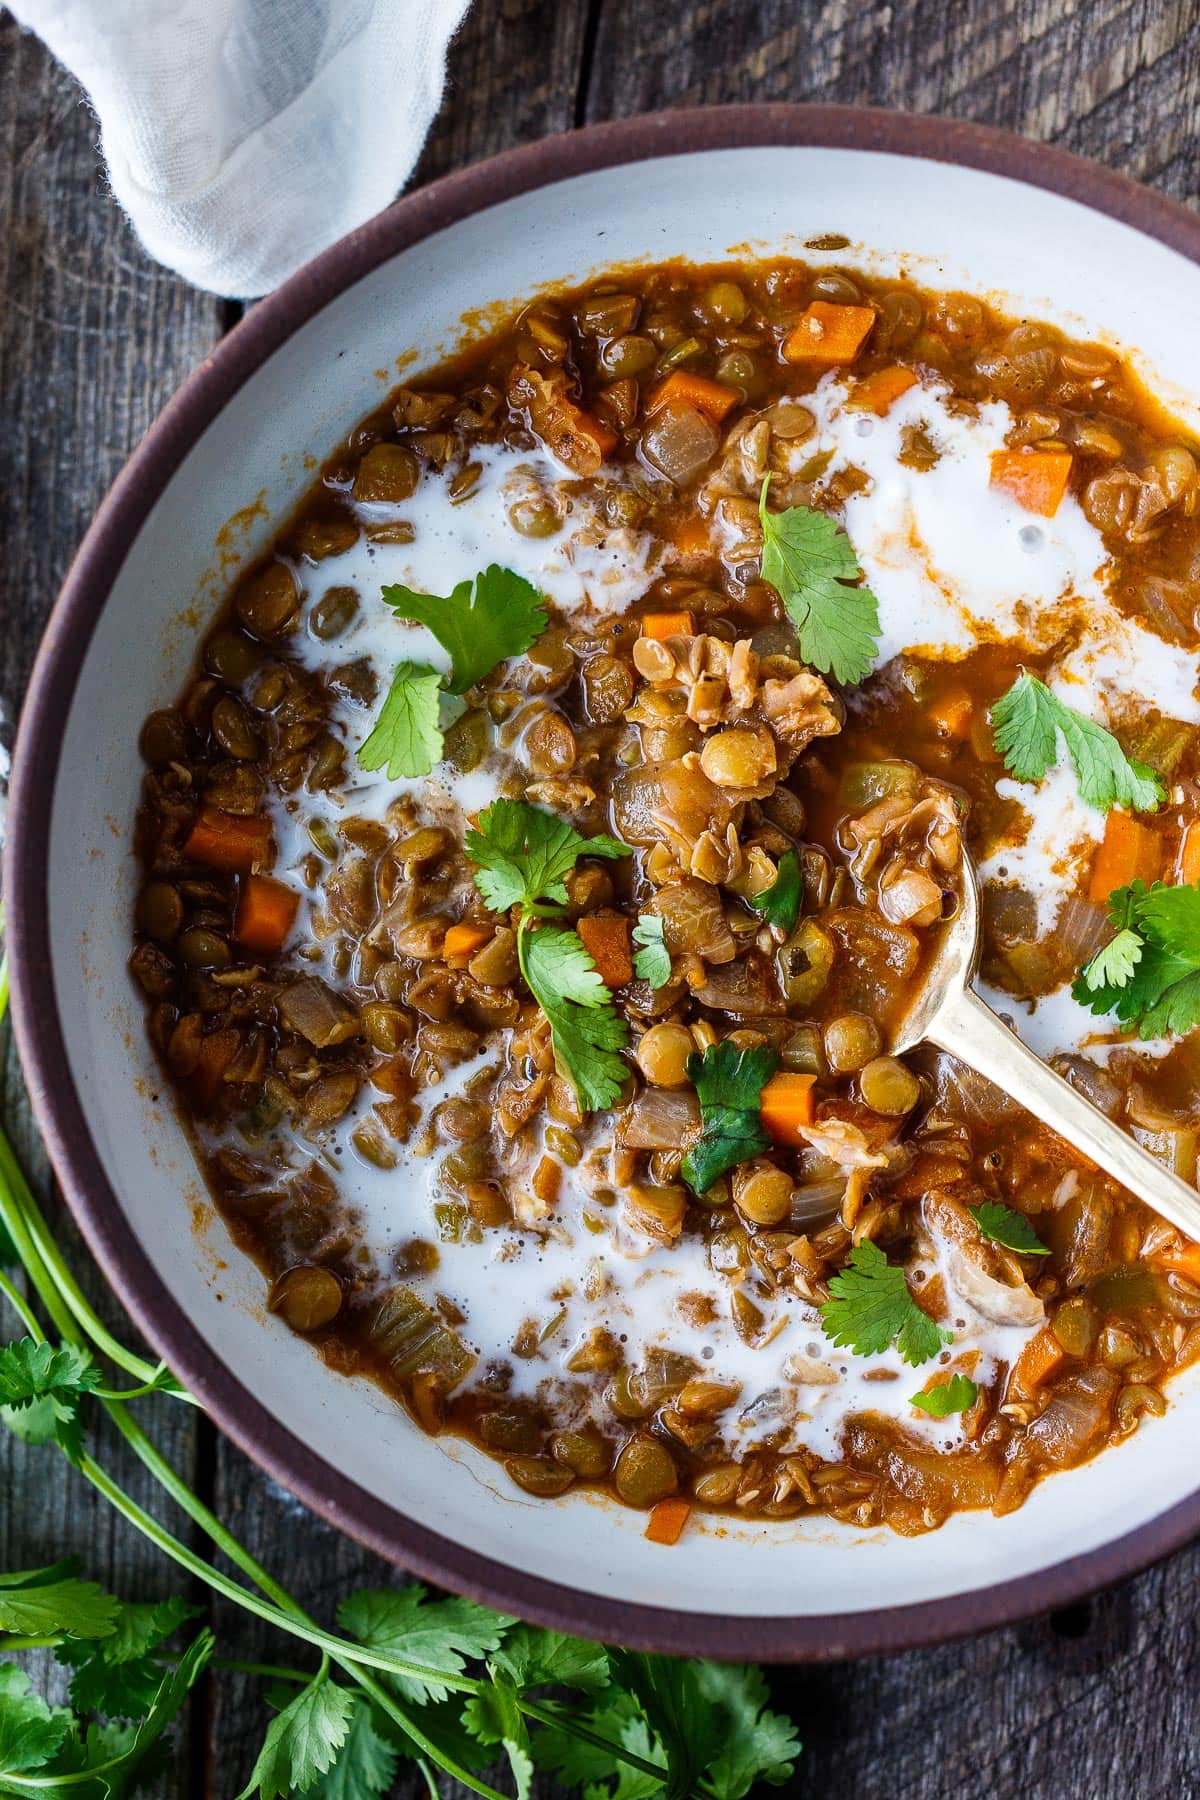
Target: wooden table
[[1094, 1702]]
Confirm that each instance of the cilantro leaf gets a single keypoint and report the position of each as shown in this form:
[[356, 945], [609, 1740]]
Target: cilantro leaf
[[630, 1783], [757, 1744], [586, 1029], [485, 621], [729, 1084], [1176, 1011], [302, 1741], [958, 1394], [52, 1381], [1026, 722], [809, 559], [30, 1731], [440, 1634], [870, 1307], [711, 1720], [365, 1765], [525, 853], [43, 1601], [1158, 989], [652, 959], [494, 1717], [1113, 966], [1025, 728], [557, 1750], [116, 1675], [407, 739], [1003, 1226], [780, 903], [1168, 916], [531, 1656], [36, 1423]]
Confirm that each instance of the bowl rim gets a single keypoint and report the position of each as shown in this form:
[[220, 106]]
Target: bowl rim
[[60, 1115]]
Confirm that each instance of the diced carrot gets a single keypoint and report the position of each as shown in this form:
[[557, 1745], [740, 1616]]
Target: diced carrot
[[465, 939], [1129, 851], [1040, 1357], [1189, 854], [786, 1104], [682, 388], [1036, 479], [951, 713], [216, 1053], [879, 392], [602, 435], [266, 913], [692, 537], [226, 841], [668, 624], [1183, 1262], [667, 1520], [606, 940], [828, 333]]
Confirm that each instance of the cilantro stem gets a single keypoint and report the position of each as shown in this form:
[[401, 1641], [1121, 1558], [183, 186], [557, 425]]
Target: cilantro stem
[[9, 1645], [133, 1393], [17, 1301], [565, 1721], [278, 1608], [47, 1269]]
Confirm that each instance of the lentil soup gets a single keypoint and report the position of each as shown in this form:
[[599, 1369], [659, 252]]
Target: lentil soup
[[560, 818]]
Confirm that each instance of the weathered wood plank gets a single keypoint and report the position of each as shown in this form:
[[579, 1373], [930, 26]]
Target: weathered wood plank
[[93, 339], [1113, 79]]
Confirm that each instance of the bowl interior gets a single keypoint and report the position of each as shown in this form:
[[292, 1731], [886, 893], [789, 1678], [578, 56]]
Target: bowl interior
[[949, 226]]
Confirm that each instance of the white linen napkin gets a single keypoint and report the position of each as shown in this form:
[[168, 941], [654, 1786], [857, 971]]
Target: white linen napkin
[[242, 136]]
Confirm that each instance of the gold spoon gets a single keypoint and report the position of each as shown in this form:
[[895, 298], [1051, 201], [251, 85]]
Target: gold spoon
[[950, 1014]]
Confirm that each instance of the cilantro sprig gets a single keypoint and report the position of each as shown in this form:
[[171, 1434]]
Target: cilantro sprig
[[1148, 974], [780, 903], [1026, 723], [495, 615], [485, 621], [1012, 1230], [729, 1084], [587, 1031], [958, 1394], [870, 1308], [809, 559], [524, 855]]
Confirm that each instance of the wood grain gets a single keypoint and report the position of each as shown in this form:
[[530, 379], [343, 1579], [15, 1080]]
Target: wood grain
[[93, 338]]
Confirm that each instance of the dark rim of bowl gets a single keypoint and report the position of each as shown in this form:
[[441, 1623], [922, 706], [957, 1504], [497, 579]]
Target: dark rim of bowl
[[57, 1104]]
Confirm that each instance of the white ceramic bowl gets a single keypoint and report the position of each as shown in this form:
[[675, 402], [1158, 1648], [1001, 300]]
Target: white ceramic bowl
[[950, 205]]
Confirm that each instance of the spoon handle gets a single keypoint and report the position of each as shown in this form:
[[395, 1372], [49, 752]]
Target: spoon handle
[[970, 1030]]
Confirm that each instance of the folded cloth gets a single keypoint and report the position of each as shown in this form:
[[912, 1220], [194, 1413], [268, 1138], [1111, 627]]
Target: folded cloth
[[242, 136]]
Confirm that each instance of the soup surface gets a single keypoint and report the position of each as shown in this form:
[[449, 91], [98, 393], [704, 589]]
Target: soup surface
[[558, 825]]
